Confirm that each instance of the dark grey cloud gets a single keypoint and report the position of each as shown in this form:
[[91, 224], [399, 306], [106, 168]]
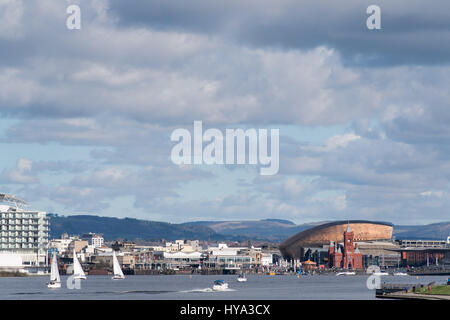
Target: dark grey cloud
[[413, 32]]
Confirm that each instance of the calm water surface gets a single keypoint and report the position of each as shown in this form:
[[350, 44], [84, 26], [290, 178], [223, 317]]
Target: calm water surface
[[199, 287]]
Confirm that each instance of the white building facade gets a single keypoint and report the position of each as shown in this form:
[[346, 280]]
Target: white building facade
[[23, 233]]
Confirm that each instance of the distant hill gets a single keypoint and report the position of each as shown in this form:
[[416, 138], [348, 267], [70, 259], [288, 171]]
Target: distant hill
[[268, 229], [275, 230], [434, 231], [127, 228]]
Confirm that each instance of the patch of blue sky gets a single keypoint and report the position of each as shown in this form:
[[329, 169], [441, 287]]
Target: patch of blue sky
[[37, 151], [226, 182], [12, 152]]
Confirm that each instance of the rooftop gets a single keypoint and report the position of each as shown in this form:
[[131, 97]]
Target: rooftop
[[11, 199]]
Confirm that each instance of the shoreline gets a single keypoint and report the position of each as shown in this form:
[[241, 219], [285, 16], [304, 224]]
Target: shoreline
[[413, 296]]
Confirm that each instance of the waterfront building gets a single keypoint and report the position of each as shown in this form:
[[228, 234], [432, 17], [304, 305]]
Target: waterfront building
[[183, 260], [267, 259], [123, 245], [77, 245], [233, 258], [23, 234], [317, 254], [345, 256], [422, 243], [421, 257], [60, 245], [126, 259], [182, 245], [381, 253], [143, 258]]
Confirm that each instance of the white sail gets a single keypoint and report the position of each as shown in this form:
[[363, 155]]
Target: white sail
[[77, 269], [54, 273], [117, 270]]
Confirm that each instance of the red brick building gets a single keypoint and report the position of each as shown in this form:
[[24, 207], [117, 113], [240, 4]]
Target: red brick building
[[346, 256]]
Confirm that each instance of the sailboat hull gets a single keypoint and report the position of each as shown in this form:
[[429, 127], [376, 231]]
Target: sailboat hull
[[80, 277], [55, 285], [117, 277]]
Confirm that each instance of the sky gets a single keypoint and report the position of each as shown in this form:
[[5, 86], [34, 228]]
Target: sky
[[86, 115]]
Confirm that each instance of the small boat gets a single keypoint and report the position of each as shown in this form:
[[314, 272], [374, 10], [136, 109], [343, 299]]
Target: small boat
[[55, 281], [78, 272], [400, 274], [347, 273], [220, 285], [242, 278], [118, 274], [380, 273]]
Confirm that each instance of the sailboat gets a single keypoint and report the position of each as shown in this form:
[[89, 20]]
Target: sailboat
[[118, 274], [55, 281], [78, 272]]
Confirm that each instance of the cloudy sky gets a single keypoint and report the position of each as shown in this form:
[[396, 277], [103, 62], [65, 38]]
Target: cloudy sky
[[86, 115]]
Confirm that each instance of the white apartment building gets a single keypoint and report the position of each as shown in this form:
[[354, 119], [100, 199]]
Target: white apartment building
[[23, 233], [95, 240]]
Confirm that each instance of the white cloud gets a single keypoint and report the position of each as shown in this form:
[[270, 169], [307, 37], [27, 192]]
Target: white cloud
[[438, 194], [11, 12], [334, 142], [22, 173]]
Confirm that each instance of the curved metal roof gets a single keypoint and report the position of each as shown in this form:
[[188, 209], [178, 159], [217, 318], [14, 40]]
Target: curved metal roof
[[315, 229]]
